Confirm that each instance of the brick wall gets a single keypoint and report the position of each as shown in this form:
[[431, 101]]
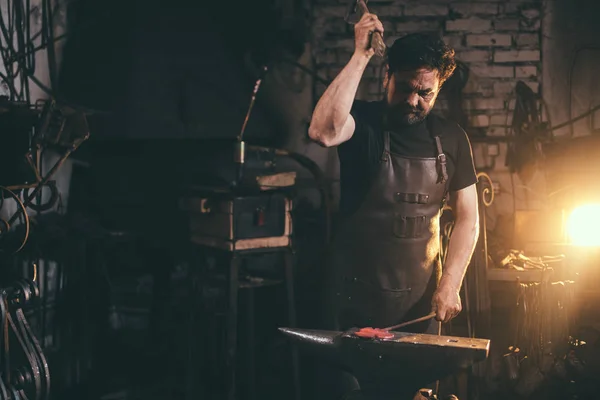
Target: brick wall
[[499, 41]]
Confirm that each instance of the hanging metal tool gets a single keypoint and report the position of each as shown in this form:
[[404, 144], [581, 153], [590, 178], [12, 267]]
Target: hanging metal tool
[[526, 134]]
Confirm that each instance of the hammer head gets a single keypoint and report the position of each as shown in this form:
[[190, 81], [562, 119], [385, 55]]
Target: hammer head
[[356, 9]]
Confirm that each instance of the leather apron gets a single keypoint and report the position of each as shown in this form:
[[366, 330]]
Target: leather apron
[[385, 256]]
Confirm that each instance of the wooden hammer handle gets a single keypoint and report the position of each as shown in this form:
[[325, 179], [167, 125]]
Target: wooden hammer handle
[[377, 42]]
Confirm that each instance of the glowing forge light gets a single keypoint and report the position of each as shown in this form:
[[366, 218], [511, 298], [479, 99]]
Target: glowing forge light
[[583, 225]]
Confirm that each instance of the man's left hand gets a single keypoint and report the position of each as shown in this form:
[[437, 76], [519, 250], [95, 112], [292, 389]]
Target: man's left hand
[[446, 301]]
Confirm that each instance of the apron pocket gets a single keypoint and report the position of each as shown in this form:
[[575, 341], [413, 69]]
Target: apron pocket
[[409, 227], [363, 304], [362, 285]]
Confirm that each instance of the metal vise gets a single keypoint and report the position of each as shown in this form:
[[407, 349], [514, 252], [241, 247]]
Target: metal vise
[[356, 9], [396, 367]]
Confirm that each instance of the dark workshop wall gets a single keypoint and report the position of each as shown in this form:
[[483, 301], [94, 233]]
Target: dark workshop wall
[[165, 69], [183, 69], [157, 69], [571, 49]]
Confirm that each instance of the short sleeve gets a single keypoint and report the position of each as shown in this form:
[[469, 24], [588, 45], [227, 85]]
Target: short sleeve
[[360, 137], [465, 174], [366, 144], [354, 156]]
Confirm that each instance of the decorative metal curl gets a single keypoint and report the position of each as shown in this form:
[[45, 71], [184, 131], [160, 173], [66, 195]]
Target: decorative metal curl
[[24, 368], [54, 196], [6, 224], [487, 192]]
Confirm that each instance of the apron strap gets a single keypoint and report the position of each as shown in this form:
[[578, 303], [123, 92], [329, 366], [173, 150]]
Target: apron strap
[[386, 146], [441, 161]]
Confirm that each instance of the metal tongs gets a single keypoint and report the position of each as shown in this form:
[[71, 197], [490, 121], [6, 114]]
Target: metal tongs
[[411, 322]]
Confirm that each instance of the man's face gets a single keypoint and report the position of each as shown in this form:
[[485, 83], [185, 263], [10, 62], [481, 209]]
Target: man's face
[[410, 95]]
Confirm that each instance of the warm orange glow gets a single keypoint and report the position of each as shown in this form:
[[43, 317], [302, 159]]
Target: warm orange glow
[[583, 225]]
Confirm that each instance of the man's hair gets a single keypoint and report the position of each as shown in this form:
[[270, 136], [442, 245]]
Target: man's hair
[[421, 50]]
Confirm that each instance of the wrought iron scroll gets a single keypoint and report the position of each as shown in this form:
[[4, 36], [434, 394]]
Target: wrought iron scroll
[[485, 193], [24, 370]]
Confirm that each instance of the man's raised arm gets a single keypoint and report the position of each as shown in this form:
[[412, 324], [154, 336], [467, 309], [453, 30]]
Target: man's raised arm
[[331, 122]]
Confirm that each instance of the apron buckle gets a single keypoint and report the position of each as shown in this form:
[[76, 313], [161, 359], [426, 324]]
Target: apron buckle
[[441, 158]]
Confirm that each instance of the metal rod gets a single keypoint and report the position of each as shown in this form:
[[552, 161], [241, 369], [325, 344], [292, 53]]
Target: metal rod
[[414, 321], [573, 120], [252, 100]]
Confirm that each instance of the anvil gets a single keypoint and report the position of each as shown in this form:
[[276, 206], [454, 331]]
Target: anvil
[[392, 368]]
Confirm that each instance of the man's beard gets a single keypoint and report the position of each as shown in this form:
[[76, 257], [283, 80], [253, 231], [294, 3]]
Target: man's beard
[[402, 115]]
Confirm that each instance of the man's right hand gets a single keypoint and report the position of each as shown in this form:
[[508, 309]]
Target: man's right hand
[[331, 123], [363, 30]]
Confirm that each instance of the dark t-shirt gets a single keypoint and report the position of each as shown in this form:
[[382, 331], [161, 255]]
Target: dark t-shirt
[[360, 156]]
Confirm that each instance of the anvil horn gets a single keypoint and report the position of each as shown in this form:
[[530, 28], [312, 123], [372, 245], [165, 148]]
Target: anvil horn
[[312, 337], [324, 344]]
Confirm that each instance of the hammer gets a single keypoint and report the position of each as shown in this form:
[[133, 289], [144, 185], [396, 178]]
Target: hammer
[[356, 9]]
